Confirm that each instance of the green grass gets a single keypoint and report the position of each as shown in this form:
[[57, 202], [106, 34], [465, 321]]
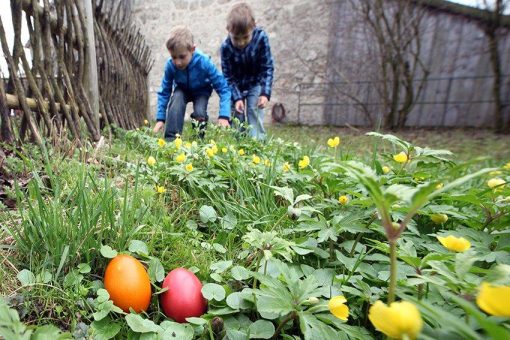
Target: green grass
[[464, 143]]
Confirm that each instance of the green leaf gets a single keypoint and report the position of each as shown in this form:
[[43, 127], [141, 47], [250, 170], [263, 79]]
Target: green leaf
[[49, 332], [108, 252], [105, 329], [141, 325], [138, 247], [228, 222], [207, 214], [220, 266], [156, 270], [463, 263], [240, 273], [392, 139], [236, 301], [285, 192], [84, 268], [219, 248], [213, 291], [102, 295], [261, 329], [177, 331], [26, 277], [190, 224]]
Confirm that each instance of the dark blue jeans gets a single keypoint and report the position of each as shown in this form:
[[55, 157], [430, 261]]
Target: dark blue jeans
[[177, 109]]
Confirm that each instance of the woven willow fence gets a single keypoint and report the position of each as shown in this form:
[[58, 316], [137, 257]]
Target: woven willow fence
[[51, 95]]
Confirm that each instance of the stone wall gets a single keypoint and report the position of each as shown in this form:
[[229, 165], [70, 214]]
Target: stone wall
[[297, 29]]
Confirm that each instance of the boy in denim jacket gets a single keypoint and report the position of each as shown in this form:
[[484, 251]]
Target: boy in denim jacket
[[247, 64], [190, 76]]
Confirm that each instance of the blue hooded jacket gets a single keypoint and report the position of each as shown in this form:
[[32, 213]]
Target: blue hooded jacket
[[199, 78]]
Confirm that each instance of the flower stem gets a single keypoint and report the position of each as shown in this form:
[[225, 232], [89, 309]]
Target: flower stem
[[393, 271], [290, 316]]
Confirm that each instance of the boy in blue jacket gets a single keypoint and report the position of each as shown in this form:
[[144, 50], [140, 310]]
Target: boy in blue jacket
[[190, 76], [247, 64]]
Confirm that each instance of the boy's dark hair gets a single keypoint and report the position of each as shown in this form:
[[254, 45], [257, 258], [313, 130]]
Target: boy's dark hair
[[240, 19], [180, 37]]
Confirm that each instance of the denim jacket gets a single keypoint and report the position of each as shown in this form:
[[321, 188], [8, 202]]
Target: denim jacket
[[199, 78]]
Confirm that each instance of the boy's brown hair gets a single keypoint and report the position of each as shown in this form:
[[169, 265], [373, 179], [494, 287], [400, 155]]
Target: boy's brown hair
[[180, 37], [240, 19]]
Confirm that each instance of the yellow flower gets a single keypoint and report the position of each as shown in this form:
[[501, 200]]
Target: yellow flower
[[189, 167], [151, 161], [255, 159], [214, 149], [178, 143], [439, 218], [145, 122], [161, 142], [304, 162], [187, 145], [160, 190], [209, 152], [386, 169], [506, 166], [458, 244], [334, 142], [267, 162], [494, 300], [400, 320], [180, 158], [343, 200], [496, 182], [224, 150], [439, 186], [338, 308], [286, 167], [495, 173], [401, 157], [241, 152]]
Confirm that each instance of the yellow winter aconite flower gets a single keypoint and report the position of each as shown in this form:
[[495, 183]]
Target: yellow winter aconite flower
[[439, 218], [180, 158], [286, 167], [189, 167], [214, 149], [267, 162], [160, 190], [338, 308], [151, 161], [145, 122], [334, 142], [343, 200], [496, 182], [401, 157], [178, 143], [458, 244], [209, 152], [494, 300], [161, 142], [439, 186], [304, 162], [241, 152], [399, 320], [255, 159], [224, 150], [386, 169]]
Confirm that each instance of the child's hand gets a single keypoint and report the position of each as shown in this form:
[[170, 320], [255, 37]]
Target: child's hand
[[239, 106], [158, 126], [262, 102], [223, 122]]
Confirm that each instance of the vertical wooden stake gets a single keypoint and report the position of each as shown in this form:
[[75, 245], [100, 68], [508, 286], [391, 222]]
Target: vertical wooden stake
[[91, 83]]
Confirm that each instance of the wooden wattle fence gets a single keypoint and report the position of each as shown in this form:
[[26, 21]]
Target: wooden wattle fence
[[89, 68]]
